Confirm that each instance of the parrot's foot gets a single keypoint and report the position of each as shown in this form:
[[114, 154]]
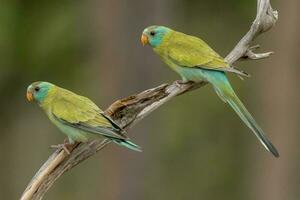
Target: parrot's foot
[[65, 146], [179, 83]]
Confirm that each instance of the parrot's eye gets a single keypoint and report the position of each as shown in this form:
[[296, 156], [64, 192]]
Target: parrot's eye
[[152, 33], [37, 89]]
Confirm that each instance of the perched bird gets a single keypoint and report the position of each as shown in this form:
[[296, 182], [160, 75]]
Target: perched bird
[[195, 61], [76, 116]]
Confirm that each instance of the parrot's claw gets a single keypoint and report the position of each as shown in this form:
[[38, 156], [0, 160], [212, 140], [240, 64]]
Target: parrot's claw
[[63, 146], [179, 83]]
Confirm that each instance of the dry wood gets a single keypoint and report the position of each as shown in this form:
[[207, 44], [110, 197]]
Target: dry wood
[[128, 111]]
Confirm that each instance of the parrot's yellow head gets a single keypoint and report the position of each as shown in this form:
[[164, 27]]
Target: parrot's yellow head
[[154, 35], [38, 91]]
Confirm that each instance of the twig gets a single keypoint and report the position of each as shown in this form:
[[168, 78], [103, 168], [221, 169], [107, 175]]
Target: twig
[[265, 19], [128, 111]]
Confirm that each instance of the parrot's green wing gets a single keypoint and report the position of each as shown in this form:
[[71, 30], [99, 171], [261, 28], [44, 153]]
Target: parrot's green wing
[[189, 51], [81, 113]]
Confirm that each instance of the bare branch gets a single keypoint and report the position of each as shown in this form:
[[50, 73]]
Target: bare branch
[[128, 111], [265, 19], [256, 56]]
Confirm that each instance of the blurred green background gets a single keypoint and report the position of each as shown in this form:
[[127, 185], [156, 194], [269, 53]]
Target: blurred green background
[[195, 147]]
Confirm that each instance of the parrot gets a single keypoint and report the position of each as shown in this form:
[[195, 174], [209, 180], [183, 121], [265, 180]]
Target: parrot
[[194, 60], [76, 116]]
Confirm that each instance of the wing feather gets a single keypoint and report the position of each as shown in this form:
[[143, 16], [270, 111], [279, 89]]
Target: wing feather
[[81, 113], [189, 51]]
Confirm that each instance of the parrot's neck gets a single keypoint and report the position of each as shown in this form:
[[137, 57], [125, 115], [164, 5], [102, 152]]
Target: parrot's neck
[[163, 42], [163, 51], [47, 102]]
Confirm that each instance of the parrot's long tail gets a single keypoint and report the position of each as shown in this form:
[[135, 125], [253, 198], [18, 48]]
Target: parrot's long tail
[[227, 94], [128, 144]]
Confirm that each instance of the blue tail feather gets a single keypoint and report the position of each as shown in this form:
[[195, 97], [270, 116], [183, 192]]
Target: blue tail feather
[[129, 145], [227, 94]]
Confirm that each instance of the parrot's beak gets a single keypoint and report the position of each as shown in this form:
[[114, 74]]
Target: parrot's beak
[[144, 39], [29, 96]]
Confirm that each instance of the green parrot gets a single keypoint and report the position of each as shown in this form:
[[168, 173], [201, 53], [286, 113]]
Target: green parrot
[[76, 116], [195, 61]]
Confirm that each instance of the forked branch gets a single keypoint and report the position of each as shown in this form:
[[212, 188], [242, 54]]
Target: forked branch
[[130, 110]]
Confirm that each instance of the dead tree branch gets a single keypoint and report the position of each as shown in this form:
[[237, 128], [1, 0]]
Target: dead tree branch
[[128, 111]]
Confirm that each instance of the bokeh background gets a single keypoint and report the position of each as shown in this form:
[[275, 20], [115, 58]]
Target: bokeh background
[[195, 147]]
